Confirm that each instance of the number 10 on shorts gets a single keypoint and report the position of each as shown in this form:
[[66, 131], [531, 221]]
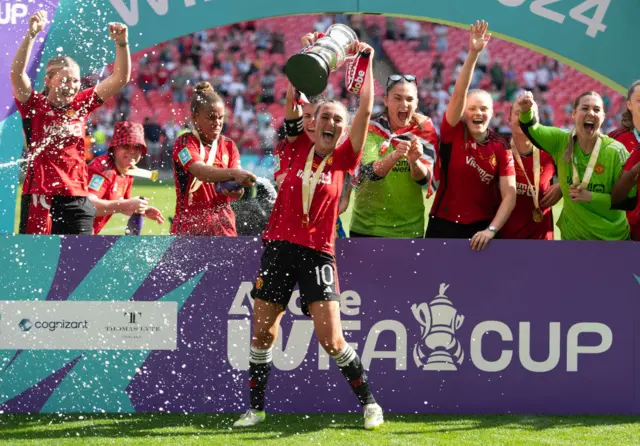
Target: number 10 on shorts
[[324, 275]]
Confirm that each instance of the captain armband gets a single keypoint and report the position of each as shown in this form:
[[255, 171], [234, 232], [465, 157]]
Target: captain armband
[[294, 127]]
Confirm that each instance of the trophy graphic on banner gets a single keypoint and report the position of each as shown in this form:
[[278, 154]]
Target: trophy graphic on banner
[[308, 71], [439, 321]]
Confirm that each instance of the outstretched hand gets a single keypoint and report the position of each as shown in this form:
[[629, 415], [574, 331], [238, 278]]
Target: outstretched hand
[[478, 36]]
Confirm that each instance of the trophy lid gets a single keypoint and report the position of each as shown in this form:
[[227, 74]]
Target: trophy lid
[[307, 73]]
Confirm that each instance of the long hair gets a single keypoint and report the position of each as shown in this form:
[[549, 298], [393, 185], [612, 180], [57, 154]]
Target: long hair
[[568, 152], [627, 117], [204, 97], [56, 64]]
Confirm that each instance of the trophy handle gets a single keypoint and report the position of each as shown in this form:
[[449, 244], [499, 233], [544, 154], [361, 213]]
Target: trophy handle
[[422, 313], [417, 355], [459, 321]]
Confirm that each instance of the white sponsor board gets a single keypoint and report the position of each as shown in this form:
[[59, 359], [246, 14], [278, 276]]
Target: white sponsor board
[[49, 325]]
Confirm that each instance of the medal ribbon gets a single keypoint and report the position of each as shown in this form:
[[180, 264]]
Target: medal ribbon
[[635, 132], [590, 166], [535, 189], [209, 162], [309, 183], [356, 68]]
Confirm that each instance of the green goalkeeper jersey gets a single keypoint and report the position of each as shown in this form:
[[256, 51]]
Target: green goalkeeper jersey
[[392, 206], [584, 221]]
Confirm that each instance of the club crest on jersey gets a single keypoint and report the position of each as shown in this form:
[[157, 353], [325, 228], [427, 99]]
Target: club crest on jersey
[[599, 168], [96, 182], [184, 156]]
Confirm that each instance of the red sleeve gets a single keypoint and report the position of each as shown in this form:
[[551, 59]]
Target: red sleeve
[[633, 159], [186, 151], [33, 105], [87, 100], [344, 158], [127, 193], [505, 162], [447, 133], [234, 155], [282, 158]]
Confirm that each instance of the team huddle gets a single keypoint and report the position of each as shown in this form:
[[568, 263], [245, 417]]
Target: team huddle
[[484, 186]]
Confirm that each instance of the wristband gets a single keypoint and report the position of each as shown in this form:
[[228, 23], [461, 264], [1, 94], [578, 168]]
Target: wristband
[[293, 127], [123, 44]]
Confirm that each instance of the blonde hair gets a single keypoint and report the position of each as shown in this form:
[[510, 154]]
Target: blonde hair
[[627, 116], [55, 65], [568, 153], [204, 96]]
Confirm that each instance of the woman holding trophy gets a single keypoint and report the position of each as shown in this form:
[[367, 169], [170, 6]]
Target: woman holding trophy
[[477, 189], [300, 235]]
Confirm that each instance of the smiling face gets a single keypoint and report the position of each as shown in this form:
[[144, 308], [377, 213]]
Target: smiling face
[[478, 113], [127, 156], [209, 121], [64, 85], [588, 116], [401, 102], [308, 118], [330, 124]]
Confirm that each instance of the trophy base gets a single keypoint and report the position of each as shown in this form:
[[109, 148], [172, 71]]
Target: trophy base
[[308, 73], [440, 362]]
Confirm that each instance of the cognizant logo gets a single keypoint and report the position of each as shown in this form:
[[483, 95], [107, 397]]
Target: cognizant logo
[[27, 325]]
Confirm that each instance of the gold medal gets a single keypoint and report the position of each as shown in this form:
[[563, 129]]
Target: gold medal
[[538, 216], [305, 221]]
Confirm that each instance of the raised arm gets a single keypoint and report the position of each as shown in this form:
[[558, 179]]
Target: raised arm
[[360, 125], [550, 139], [478, 39], [122, 66], [20, 82]]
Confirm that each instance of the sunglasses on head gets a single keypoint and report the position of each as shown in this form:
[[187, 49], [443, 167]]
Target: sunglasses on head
[[398, 77]]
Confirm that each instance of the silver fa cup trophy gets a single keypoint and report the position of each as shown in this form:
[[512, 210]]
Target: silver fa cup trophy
[[309, 70], [439, 320]]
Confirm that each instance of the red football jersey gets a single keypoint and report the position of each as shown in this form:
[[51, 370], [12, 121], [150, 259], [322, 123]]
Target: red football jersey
[[626, 137], [469, 183], [283, 154], [107, 183], [57, 141], [286, 220], [634, 215], [520, 224], [202, 212]]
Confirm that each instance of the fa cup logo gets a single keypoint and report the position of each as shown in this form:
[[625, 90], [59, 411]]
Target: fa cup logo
[[439, 321]]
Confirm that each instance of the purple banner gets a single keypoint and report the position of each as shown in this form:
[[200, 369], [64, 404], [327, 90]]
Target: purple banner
[[14, 22], [523, 327]]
